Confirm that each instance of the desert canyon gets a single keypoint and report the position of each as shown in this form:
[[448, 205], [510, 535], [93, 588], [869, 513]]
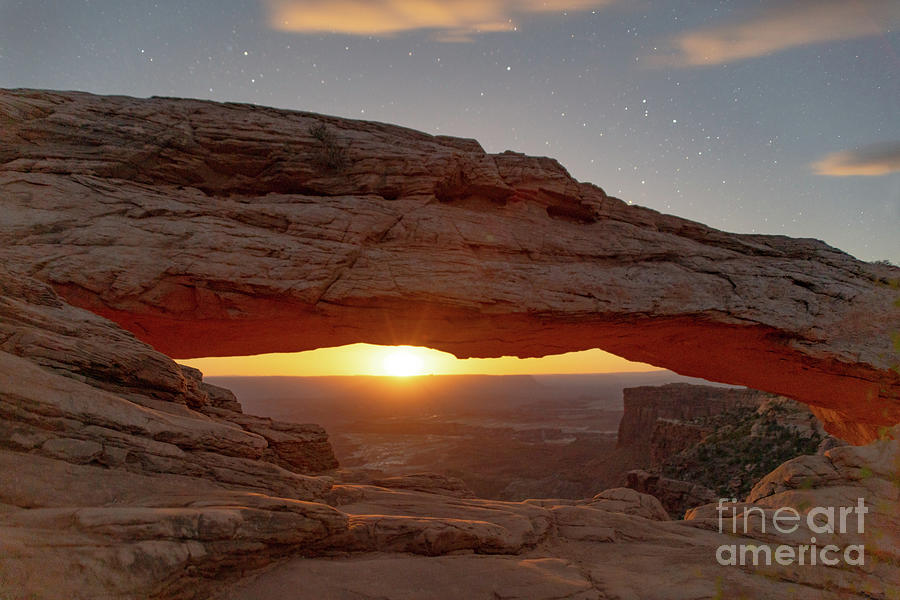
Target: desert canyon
[[138, 231]]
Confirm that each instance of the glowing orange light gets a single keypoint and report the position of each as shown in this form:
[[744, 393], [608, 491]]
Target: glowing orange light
[[403, 363], [367, 359]]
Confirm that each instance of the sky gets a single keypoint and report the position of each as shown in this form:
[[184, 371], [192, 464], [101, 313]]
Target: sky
[[770, 117], [368, 359]]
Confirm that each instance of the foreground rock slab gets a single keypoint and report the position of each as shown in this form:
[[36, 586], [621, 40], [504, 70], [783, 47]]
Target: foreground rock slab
[[222, 229], [414, 578]]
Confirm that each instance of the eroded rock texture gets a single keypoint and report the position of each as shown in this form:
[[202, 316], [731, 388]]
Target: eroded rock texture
[[223, 229]]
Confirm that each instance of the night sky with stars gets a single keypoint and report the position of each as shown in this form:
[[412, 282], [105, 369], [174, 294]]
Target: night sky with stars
[[769, 117]]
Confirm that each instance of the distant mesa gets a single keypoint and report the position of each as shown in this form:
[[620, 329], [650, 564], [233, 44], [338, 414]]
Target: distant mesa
[[708, 442]]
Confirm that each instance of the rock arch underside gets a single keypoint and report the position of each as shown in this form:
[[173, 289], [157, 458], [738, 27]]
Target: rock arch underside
[[210, 229], [224, 229]]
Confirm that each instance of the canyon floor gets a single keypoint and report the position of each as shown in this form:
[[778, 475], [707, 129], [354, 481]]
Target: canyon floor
[[505, 437]]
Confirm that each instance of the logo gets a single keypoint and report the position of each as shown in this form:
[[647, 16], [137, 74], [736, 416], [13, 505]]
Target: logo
[[820, 520]]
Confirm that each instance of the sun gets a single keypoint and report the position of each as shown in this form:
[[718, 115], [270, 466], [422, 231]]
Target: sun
[[403, 363]]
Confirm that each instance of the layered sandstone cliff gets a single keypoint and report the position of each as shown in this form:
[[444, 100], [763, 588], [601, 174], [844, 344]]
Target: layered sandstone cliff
[[224, 229], [705, 442], [645, 406], [671, 436]]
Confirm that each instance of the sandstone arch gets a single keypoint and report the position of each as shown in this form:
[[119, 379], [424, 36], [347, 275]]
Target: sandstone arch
[[211, 229]]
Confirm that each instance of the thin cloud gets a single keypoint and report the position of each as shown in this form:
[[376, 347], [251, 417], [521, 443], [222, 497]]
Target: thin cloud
[[781, 25], [451, 20], [877, 159]]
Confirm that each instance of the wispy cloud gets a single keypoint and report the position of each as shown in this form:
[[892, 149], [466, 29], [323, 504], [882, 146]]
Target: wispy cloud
[[781, 25], [876, 159], [450, 20]]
